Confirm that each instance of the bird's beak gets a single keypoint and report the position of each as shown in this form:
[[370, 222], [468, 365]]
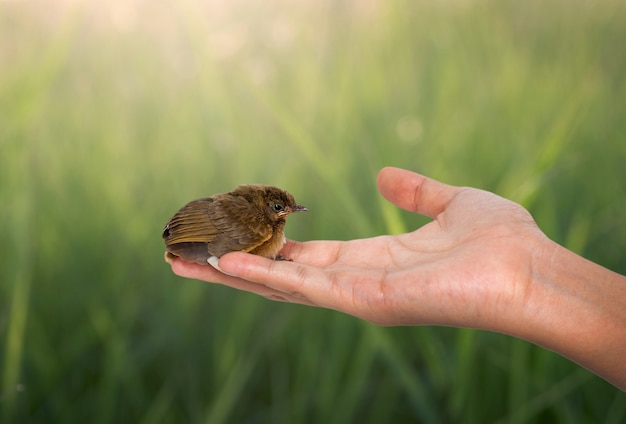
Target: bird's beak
[[289, 210]]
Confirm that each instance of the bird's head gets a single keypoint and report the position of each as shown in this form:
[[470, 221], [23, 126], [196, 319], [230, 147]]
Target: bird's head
[[277, 204]]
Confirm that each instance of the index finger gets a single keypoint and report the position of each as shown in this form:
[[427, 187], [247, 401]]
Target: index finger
[[306, 283], [316, 252]]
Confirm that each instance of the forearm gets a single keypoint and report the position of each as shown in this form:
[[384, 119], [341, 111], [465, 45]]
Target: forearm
[[577, 309]]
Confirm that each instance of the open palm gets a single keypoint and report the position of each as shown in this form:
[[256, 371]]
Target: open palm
[[463, 267]]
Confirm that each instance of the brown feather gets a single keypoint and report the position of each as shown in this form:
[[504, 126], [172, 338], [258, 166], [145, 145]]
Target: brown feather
[[242, 220]]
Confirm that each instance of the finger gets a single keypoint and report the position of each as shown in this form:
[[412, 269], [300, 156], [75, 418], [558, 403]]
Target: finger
[[415, 192], [315, 253], [194, 270], [211, 275], [294, 280]]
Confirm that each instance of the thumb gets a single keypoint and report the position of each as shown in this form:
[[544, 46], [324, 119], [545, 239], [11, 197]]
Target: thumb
[[415, 192]]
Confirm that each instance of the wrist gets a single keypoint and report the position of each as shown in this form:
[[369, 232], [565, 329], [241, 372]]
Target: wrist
[[576, 308]]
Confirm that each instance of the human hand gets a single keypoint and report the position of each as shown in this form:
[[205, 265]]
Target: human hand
[[462, 269], [481, 263]]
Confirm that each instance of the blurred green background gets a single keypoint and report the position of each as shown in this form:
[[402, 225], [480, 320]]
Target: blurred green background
[[114, 114]]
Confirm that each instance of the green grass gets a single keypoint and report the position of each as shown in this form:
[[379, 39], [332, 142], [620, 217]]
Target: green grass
[[113, 115]]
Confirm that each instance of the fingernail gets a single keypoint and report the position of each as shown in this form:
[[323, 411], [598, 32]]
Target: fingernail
[[169, 258], [214, 262]]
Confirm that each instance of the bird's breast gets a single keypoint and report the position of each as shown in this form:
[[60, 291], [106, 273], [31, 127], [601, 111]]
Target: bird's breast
[[271, 247]]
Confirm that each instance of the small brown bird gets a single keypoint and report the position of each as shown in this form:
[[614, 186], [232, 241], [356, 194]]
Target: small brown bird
[[251, 218]]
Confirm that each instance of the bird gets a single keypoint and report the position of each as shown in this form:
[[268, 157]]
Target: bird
[[251, 218]]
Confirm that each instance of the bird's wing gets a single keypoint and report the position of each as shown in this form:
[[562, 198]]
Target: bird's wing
[[227, 223], [192, 223], [242, 226]]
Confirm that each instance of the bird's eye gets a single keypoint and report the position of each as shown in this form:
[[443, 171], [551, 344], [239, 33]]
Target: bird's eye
[[278, 207]]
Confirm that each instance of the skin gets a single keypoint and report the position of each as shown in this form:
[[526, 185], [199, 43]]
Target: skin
[[481, 263]]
